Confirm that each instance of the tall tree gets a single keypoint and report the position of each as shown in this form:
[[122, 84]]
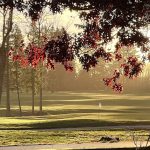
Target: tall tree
[[16, 39], [7, 14], [38, 34], [33, 89], [7, 81]]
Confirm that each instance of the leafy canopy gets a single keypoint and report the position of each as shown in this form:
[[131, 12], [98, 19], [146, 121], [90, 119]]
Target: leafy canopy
[[105, 20]]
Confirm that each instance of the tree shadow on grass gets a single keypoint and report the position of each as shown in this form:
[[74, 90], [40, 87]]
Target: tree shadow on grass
[[95, 102], [74, 123], [77, 123]]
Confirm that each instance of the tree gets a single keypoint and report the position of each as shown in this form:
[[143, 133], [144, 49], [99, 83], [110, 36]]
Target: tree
[[39, 33], [16, 39], [105, 21], [8, 80], [7, 14]]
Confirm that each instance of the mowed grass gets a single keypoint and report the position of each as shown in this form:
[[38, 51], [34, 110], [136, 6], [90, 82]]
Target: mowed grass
[[26, 137], [67, 110], [71, 109]]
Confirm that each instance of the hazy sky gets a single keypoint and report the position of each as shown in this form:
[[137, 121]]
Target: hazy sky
[[67, 20]]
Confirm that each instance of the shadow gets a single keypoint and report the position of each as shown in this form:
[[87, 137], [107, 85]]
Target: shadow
[[70, 124], [105, 102], [82, 111], [75, 123]]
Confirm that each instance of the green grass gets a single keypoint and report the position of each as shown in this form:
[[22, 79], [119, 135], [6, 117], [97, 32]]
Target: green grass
[[29, 124], [23, 137], [68, 109]]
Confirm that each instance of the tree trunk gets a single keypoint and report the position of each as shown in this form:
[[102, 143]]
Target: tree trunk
[[3, 44], [33, 89], [41, 97], [41, 73], [2, 70], [7, 88], [17, 87], [41, 89]]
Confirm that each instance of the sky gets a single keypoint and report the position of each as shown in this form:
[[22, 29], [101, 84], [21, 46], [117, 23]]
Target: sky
[[67, 19]]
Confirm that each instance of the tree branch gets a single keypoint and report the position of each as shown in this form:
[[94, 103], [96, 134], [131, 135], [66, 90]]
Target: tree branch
[[10, 23]]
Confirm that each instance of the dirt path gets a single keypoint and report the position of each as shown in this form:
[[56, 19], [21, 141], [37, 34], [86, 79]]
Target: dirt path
[[71, 146]]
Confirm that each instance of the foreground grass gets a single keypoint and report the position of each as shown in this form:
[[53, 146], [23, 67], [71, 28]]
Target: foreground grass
[[24, 137], [66, 110]]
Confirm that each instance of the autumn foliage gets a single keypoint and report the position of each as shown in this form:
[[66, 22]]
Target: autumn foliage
[[104, 21]]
